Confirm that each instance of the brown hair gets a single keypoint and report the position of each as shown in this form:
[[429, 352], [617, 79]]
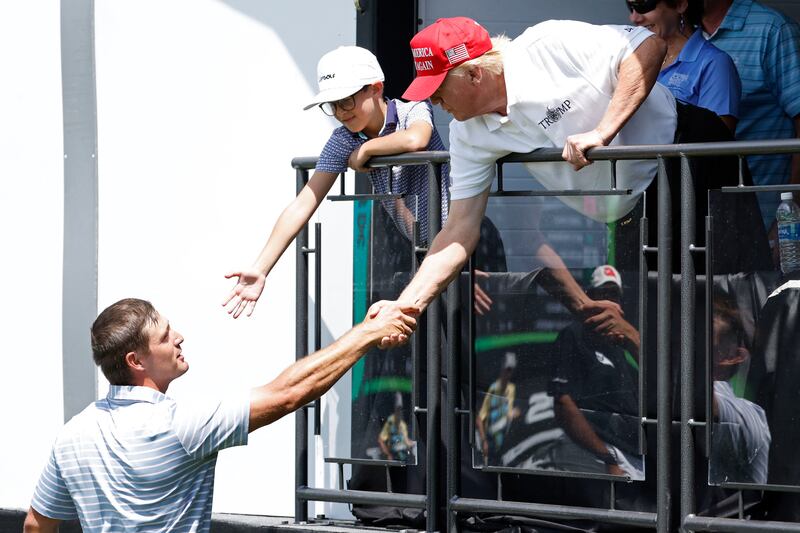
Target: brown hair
[[694, 11], [120, 329]]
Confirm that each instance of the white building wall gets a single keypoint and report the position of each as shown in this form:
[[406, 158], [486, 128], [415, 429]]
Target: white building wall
[[31, 227], [199, 115]]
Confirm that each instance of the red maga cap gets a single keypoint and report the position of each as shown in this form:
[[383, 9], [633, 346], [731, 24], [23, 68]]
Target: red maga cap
[[441, 46]]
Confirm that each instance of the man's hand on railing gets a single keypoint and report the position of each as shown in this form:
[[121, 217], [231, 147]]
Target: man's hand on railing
[[244, 295], [576, 146]]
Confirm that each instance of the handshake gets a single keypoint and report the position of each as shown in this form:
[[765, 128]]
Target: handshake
[[389, 323]]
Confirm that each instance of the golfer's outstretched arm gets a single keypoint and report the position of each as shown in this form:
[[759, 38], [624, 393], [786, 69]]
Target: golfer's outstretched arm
[[450, 250], [310, 377]]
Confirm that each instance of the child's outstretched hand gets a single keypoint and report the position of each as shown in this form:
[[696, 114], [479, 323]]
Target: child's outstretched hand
[[245, 294]]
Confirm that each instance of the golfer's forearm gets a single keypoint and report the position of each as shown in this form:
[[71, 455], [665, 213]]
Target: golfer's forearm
[[310, 377]]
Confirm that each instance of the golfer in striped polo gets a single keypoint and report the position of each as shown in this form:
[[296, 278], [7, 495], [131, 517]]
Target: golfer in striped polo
[[137, 460]]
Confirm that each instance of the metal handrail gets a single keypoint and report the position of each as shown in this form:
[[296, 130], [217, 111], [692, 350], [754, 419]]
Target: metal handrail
[[659, 520]]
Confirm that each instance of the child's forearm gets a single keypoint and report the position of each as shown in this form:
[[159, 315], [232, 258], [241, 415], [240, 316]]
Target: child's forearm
[[413, 139], [292, 220], [286, 229]]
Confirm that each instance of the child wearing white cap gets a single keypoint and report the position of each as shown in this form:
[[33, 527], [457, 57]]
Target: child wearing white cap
[[351, 90]]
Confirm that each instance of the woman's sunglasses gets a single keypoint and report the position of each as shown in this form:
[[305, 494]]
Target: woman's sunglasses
[[641, 6]]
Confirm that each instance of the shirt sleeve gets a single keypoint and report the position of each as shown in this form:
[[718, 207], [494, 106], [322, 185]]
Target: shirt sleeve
[[783, 67], [51, 497], [472, 167], [720, 88], [419, 111], [206, 427], [628, 40], [336, 153]]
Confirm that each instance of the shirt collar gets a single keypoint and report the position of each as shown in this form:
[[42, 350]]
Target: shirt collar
[[495, 121], [736, 15], [390, 122], [135, 393], [692, 47]]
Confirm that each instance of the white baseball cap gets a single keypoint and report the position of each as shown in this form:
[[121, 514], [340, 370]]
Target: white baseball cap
[[510, 360], [604, 274], [343, 72]]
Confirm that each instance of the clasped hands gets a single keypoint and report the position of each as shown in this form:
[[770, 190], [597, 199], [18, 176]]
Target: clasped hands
[[394, 321]]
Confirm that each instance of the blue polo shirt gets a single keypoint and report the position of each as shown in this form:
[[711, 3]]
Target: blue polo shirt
[[765, 46], [705, 76], [138, 461], [411, 180]]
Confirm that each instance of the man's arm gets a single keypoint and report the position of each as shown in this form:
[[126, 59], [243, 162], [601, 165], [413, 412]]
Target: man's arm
[[575, 425], [310, 377], [36, 522], [637, 75], [450, 250]]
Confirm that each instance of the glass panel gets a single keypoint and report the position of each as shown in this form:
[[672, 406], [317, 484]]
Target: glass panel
[[557, 372], [755, 399], [382, 424]]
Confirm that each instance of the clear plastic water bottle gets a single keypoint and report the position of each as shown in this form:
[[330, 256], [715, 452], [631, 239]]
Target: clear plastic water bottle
[[788, 217]]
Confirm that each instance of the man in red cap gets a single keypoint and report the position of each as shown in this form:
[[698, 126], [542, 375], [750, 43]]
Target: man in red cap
[[560, 84]]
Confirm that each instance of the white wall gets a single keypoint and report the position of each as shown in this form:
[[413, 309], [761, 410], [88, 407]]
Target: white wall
[[199, 115], [31, 225]]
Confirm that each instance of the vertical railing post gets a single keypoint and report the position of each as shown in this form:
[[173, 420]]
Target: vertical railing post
[[317, 315], [663, 355], [301, 349], [434, 360], [452, 418], [415, 342], [688, 293]]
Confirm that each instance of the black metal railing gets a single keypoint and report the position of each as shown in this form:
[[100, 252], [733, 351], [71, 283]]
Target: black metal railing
[[450, 418]]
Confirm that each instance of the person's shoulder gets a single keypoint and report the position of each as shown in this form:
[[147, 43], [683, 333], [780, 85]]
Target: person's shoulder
[[77, 426], [710, 53], [767, 15], [561, 29], [411, 104]]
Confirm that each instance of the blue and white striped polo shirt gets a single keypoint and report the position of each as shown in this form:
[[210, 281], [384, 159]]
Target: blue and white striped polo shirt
[[409, 180], [138, 460], [765, 46]]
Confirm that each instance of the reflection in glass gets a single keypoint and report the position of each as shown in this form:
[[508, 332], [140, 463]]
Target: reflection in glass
[[740, 436], [595, 388], [497, 411], [393, 438], [557, 366], [755, 406], [381, 427]]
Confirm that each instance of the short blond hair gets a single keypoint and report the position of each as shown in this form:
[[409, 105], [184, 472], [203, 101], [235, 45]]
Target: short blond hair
[[491, 61]]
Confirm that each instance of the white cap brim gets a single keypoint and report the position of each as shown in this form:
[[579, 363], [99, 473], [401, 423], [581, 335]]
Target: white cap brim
[[332, 95]]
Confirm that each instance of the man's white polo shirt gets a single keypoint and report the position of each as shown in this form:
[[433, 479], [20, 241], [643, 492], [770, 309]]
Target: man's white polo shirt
[[560, 77], [137, 460]]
